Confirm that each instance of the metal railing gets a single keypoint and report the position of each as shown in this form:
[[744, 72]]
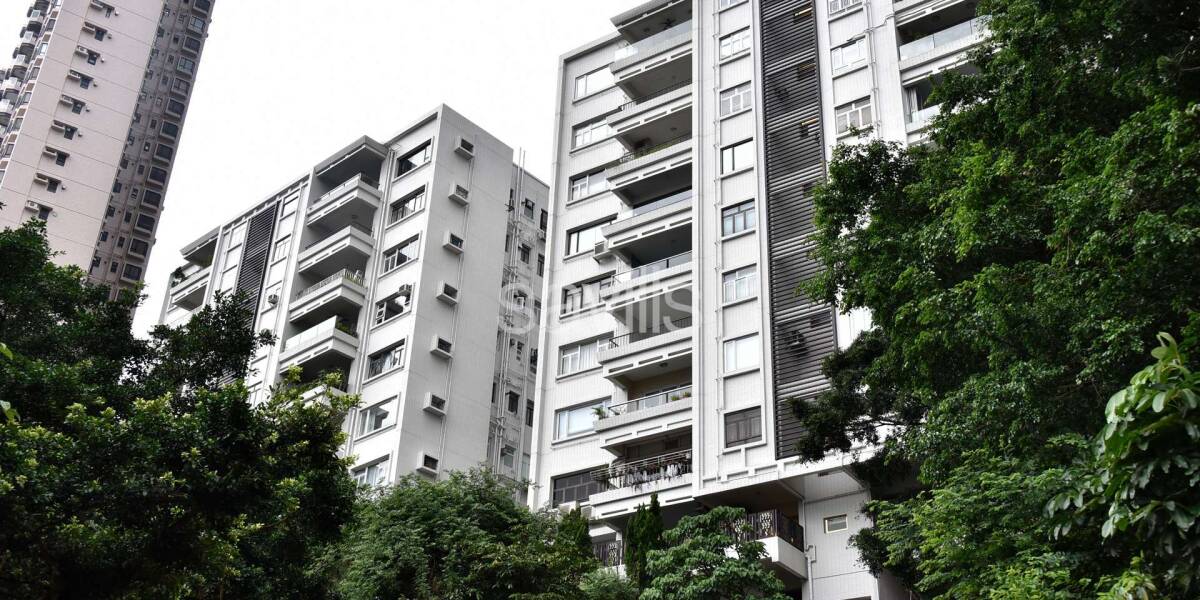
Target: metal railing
[[675, 198], [362, 228], [655, 94], [342, 189], [661, 328], [324, 328], [662, 40], [978, 25], [610, 553], [346, 274], [641, 472], [682, 258], [642, 152], [768, 523], [650, 401]]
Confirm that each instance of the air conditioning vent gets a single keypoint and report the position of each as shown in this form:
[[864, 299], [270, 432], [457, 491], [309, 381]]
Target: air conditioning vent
[[447, 293], [273, 299], [796, 341], [442, 347], [600, 251], [453, 243], [464, 148], [435, 404], [429, 465], [459, 194]]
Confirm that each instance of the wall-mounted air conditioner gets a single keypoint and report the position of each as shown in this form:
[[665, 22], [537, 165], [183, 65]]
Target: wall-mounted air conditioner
[[464, 148], [453, 243], [442, 347], [459, 194], [428, 465], [435, 404]]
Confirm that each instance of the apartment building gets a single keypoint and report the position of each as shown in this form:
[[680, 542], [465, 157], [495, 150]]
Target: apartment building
[[92, 110], [688, 142], [413, 269]]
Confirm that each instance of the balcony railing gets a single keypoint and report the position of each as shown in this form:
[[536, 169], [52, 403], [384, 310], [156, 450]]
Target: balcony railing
[[654, 267], [362, 228], [343, 275], [978, 25], [766, 524], [642, 152], [633, 102], [317, 331], [342, 189], [650, 401], [610, 553], [652, 45], [645, 471], [665, 327], [675, 198], [925, 114]]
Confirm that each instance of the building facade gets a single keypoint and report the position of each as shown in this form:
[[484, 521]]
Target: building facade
[[92, 111], [687, 145], [404, 267]]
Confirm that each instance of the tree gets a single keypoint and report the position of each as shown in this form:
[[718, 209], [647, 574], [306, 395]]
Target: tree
[[462, 537], [1015, 270], [711, 557], [573, 535], [127, 472], [606, 584], [643, 534]]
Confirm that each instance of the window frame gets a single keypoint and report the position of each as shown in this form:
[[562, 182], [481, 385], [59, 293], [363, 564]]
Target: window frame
[[748, 218], [594, 182], [734, 44], [390, 359], [747, 274], [389, 419], [729, 164], [587, 85], [744, 92], [734, 344], [845, 520], [746, 418], [857, 108]]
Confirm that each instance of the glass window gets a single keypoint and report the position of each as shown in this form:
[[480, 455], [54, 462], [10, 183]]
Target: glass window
[[523, 253], [586, 85], [528, 209], [386, 360], [743, 427], [723, 4], [541, 266], [738, 218], [577, 419], [741, 353], [145, 222], [855, 115], [529, 413], [407, 205], [835, 523], [583, 239], [840, 5], [400, 254], [374, 474], [574, 488], [735, 99], [133, 272], [734, 43], [848, 55], [591, 132], [587, 184], [391, 307], [374, 418], [581, 356], [741, 283], [578, 296], [414, 158], [737, 156]]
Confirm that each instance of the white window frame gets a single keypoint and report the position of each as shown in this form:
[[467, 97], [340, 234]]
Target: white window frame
[[590, 132], [835, 519], [724, 4], [593, 82], [571, 356], [741, 353], [583, 239], [734, 44], [562, 418], [855, 114], [388, 261], [380, 468], [394, 359], [736, 215], [736, 99], [734, 154], [743, 283], [588, 184], [849, 54], [837, 6], [364, 414]]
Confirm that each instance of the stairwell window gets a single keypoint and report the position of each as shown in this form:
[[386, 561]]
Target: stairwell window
[[734, 43], [414, 158], [407, 205], [587, 184], [741, 353], [836, 6], [577, 487], [737, 157], [743, 427], [374, 474], [590, 132], [391, 307], [582, 356], [855, 115], [848, 55], [736, 99], [590, 83], [399, 255], [740, 284], [386, 360]]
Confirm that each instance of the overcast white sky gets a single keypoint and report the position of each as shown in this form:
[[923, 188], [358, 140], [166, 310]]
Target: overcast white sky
[[285, 83]]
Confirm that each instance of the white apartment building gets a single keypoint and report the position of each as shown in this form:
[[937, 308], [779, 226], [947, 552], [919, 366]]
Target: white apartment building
[[91, 112], [687, 144], [412, 268]]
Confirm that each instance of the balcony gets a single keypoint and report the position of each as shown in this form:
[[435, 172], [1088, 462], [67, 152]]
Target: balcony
[[189, 286], [27, 44], [664, 58], [649, 120], [354, 201], [951, 40], [626, 480], [666, 346], [652, 171], [648, 220], [341, 294], [918, 120], [646, 407], [6, 111], [349, 248], [610, 553], [11, 87], [330, 345], [20, 66]]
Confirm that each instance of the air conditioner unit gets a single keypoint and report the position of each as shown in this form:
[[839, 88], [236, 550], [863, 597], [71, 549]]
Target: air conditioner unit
[[31, 205], [442, 347], [428, 465], [435, 404], [459, 194], [600, 251], [447, 293], [796, 341], [464, 148], [453, 243], [273, 299], [406, 290], [542, 235]]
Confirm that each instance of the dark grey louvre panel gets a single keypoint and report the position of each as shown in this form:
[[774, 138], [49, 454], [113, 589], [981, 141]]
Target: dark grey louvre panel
[[254, 258], [802, 331]]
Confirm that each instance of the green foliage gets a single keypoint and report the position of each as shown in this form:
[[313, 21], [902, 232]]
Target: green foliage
[[129, 473], [1143, 483], [697, 562], [463, 537], [643, 534], [606, 584], [1015, 271], [573, 536]]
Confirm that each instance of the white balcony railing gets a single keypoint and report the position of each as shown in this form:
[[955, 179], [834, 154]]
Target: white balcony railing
[[654, 267], [339, 277], [323, 329], [341, 190], [945, 37], [918, 117], [650, 401], [652, 45]]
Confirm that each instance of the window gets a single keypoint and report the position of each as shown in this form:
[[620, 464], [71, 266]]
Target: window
[[99, 32], [735, 99], [374, 418], [740, 284], [586, 85], [835, 523], [545, 217], [92, 56], [164, 152], [191, 43], [588, 133], [734, 43], [52, 185], [386, 360], [180, 86], [583, 239], [529, 413], [523, 253], [587, 184], [132, 272], [407, 205], [373, 474], [196, 25], [391, 307], [139, 247], [68, 131], [400, 254], [85, 81], [157, 175], [723, 4], [850, 54], [743, 427], [414, 158], [513, 400], [577, 419], [77, 106], [737, 156], [574, 358], [151, 198], [579, 296], [176, 107], [541, 265], [528, 209], [856, 115], [574, 488], [840, 5], [170, 129], [741, 353], [44, 214], [60, 159], [145, 222]]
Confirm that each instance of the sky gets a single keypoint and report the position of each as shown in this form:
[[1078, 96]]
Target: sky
[[285, 83]]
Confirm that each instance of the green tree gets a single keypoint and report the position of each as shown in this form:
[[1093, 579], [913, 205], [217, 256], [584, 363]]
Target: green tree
[[573, 536], [708, 557], [458, 538], [1015, 271], [607, 584], [128, 472], [643, 534]]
